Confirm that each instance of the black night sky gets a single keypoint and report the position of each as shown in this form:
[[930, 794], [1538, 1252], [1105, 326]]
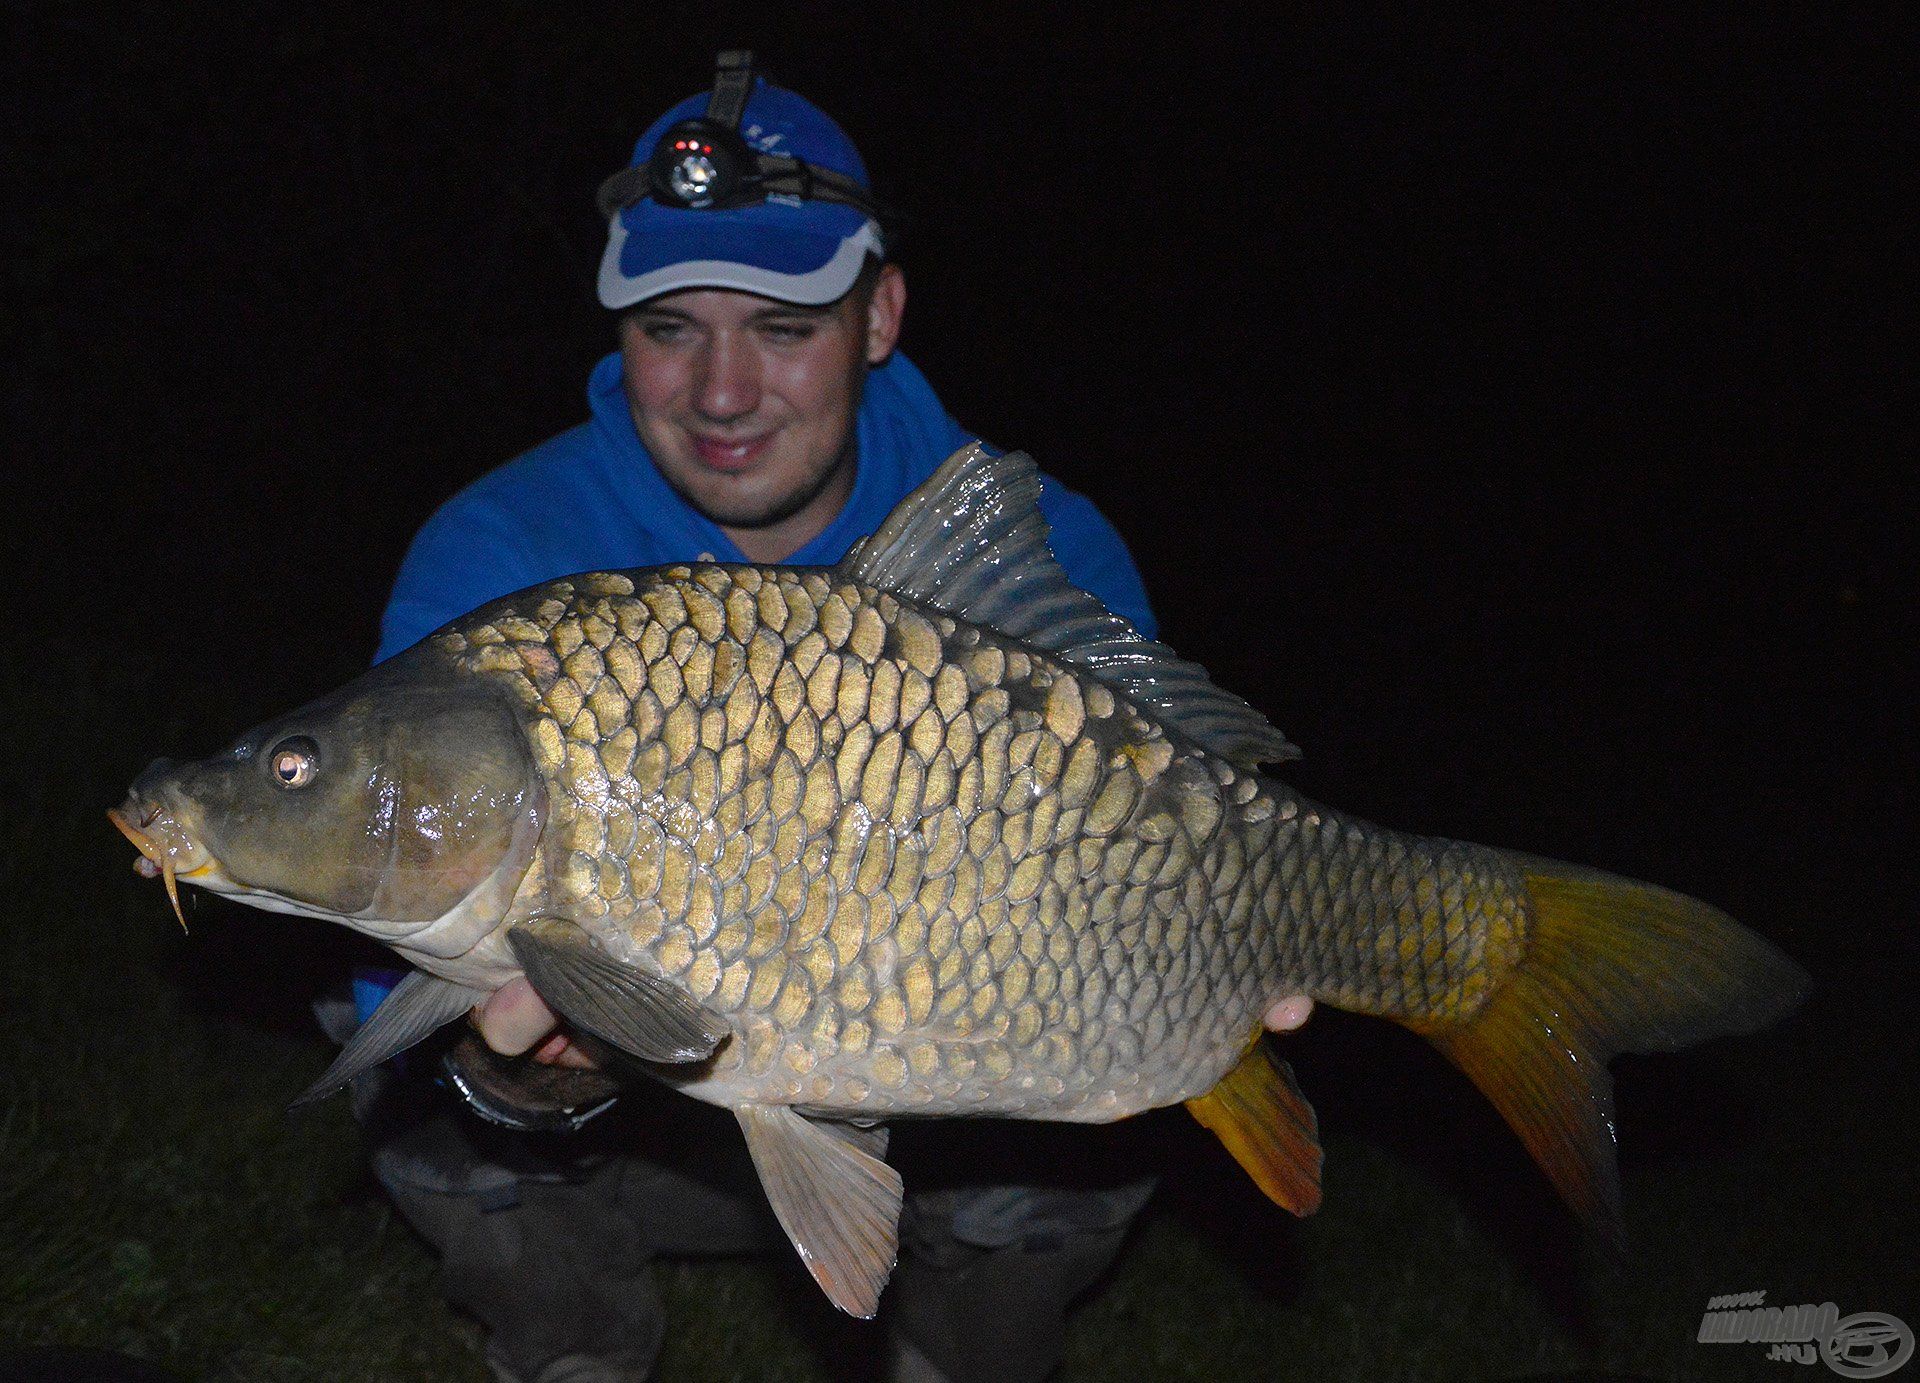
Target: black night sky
[[1509, 406]]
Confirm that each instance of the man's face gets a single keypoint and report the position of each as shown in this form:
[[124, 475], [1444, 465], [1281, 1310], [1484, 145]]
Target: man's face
[[747, 405]]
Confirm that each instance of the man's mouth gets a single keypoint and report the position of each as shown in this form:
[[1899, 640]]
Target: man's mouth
[[729, 454]]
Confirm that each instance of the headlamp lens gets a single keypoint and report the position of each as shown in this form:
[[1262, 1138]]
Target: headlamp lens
[[692, 178], [697, 165]]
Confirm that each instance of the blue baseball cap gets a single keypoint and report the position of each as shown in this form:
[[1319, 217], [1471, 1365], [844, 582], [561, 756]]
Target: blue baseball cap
[[793, 250]]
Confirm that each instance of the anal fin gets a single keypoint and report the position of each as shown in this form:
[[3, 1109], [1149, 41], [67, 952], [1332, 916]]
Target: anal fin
[[641, 1014], [418, 1006], [837, 1201], [1268, 1126]]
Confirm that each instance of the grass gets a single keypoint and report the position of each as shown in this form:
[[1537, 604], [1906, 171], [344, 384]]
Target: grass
[[155, 1199]]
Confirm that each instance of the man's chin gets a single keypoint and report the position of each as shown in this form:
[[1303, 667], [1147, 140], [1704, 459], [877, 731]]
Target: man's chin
[[742, 500], [730, 498], [736, 510]]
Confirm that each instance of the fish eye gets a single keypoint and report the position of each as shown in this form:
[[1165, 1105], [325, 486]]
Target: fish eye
[[293, 762]]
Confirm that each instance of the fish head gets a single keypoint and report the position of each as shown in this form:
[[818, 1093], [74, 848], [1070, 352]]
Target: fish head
[[405, 805]]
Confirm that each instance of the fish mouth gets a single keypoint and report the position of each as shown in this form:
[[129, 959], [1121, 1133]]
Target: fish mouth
[[167, 852]]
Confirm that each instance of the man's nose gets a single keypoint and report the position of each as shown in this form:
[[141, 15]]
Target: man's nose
[[729, 383]]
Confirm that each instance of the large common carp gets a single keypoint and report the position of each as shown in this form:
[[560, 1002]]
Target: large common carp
[[927, 833]]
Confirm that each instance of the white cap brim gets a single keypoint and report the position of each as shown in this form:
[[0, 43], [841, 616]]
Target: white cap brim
[[823, 285]]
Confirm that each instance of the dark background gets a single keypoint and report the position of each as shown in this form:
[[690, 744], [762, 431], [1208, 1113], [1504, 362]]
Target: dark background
[[1507, 406]]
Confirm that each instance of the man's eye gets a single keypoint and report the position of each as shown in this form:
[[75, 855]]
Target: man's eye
[[789, 331], [665, 333]]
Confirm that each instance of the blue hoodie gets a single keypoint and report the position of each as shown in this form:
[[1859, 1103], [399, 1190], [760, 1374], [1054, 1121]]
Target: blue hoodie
[[592, 500]]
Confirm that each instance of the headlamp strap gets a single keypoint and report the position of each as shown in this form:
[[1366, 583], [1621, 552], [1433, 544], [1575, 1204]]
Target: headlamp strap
[[763, 173], [732, 84]]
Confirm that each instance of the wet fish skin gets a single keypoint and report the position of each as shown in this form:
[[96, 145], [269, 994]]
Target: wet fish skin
[[924, 869], [928, 833]]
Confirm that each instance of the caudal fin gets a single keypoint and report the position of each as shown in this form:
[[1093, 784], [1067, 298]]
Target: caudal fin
[[1611, 965]]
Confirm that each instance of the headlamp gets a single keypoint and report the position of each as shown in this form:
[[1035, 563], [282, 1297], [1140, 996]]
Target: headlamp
[[704, 164], [701, 164]]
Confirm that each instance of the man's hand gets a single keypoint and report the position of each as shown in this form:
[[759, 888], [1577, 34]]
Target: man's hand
[[514, 1020]]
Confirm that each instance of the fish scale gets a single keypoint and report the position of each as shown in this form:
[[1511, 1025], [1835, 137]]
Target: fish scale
[[975, 881]]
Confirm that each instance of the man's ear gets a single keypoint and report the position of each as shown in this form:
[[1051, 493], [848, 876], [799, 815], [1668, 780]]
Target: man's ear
[[884, 313]]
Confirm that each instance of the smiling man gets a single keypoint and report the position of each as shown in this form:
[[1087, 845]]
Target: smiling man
[[746, 405], [757, 410]]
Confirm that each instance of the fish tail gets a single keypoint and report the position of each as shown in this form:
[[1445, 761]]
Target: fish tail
[[1604, 965]]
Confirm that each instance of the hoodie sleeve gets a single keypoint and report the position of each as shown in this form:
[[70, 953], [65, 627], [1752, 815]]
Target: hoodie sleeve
[[1095, 558], [468, 553]]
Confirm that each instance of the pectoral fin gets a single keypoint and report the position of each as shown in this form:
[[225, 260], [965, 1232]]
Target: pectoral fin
[[1268, 1126], [418, 1005], [837, 1201], [639, 1013]]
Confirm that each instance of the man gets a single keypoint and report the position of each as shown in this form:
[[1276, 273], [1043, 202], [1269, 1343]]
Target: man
[[757, 410]]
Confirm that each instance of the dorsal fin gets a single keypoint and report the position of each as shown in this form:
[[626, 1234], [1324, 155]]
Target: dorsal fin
[[971, 541]]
